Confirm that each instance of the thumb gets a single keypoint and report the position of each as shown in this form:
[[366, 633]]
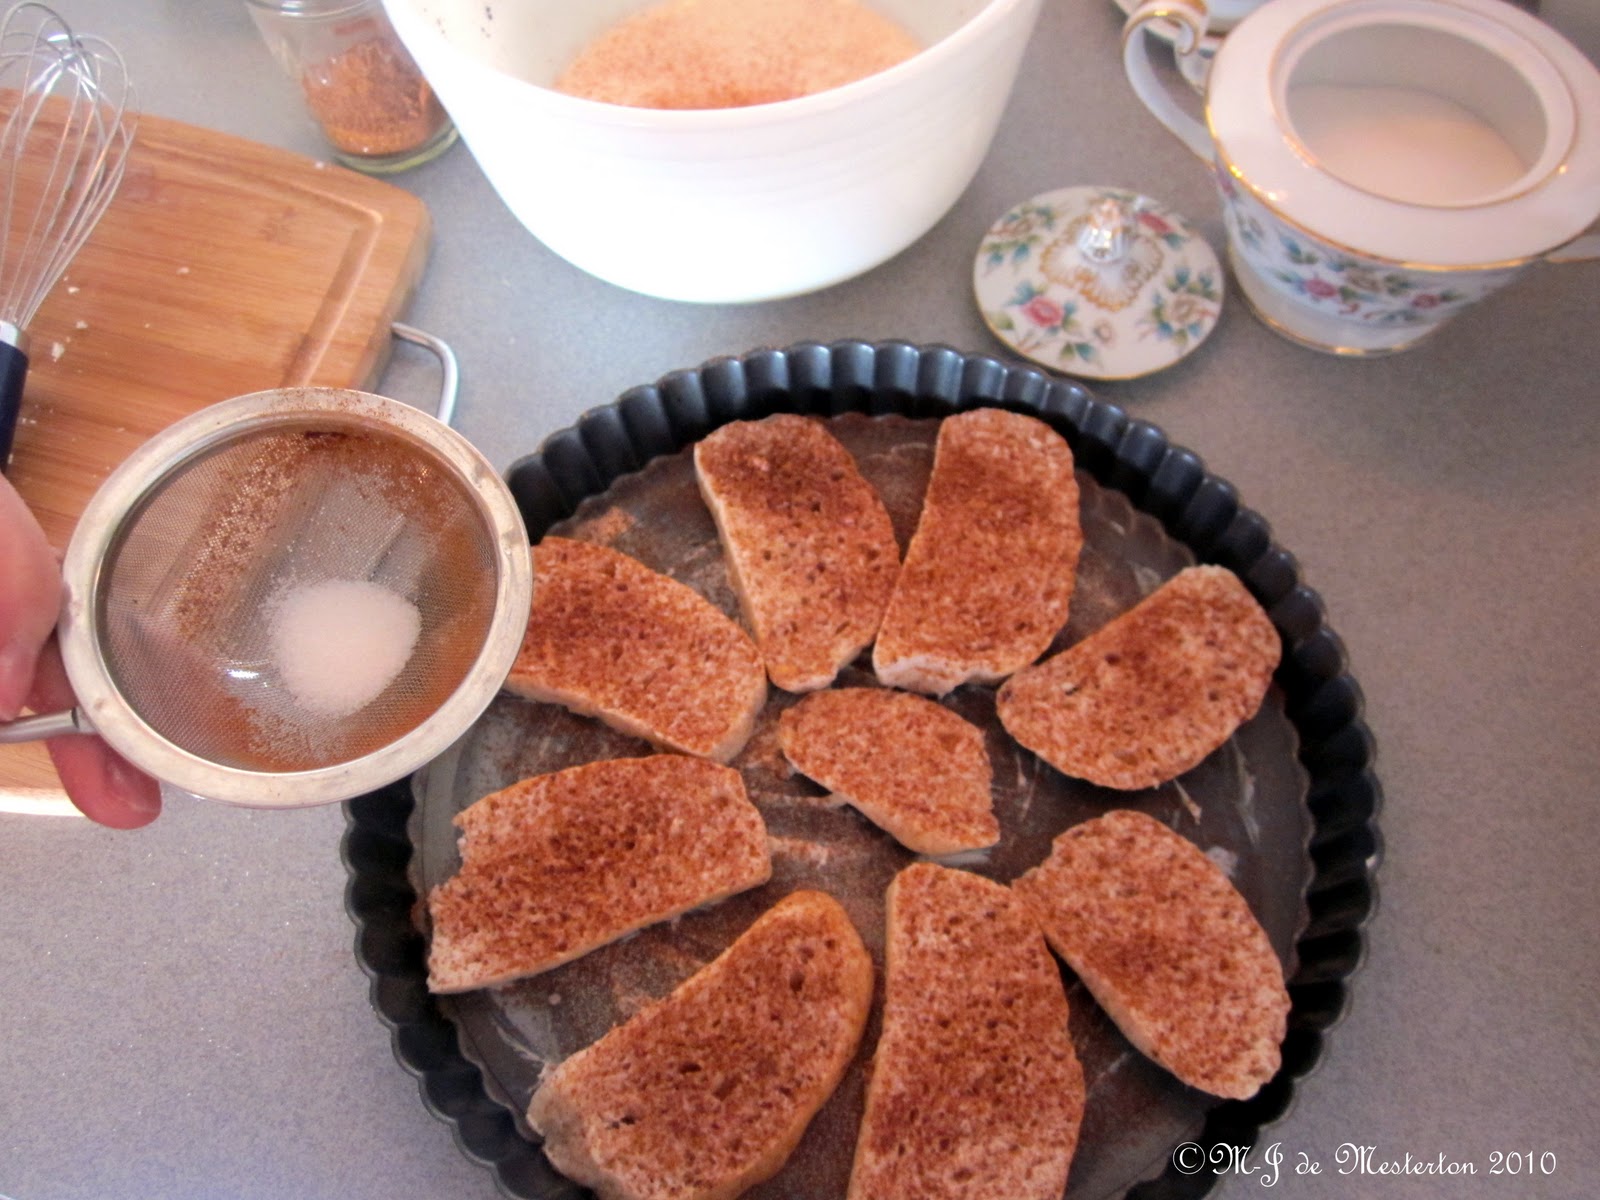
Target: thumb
[[30, 598], [103, 784]]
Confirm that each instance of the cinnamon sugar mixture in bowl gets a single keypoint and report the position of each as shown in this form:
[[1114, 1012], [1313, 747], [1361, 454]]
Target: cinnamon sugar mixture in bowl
[[733, 53], [765, 148]]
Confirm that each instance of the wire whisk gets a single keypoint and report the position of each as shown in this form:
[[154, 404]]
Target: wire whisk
[[69, 119]]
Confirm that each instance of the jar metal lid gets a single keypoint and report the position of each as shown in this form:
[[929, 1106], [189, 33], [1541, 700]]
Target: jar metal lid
[[313, 8]]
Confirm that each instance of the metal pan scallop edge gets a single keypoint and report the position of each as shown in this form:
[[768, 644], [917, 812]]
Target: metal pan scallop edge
[[1322, 700]]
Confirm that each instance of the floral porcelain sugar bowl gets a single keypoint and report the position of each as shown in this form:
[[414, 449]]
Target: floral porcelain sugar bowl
[[1383, 164]]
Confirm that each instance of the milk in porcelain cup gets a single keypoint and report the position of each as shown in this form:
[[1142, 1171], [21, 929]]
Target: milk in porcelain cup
[[1383, 164]]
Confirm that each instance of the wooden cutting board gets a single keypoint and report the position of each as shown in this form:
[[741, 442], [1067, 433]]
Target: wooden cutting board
[[222, 267]]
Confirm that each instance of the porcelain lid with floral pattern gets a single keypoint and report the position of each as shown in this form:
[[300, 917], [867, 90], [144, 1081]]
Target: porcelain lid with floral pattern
[[1097, 282]]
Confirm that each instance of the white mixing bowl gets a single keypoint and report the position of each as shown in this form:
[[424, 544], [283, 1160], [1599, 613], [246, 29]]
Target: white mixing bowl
[[720, 205]]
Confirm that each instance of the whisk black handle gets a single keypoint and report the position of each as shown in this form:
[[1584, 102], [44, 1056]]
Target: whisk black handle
[[13, 370]]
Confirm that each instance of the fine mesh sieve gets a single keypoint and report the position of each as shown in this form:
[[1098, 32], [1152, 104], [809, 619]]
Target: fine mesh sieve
[[294, 597]]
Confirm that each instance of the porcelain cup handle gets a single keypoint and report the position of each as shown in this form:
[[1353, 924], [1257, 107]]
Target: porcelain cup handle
[[1188, 19]]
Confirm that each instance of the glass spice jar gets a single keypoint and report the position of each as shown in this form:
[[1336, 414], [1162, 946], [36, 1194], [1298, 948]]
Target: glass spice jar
[[363, 89]]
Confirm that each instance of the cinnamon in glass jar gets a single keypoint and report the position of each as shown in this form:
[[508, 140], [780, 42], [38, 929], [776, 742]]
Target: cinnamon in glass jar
[[366, 94]]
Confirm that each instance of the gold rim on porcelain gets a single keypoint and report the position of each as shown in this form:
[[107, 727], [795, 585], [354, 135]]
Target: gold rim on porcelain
[[1265, 198], [1556, 168]]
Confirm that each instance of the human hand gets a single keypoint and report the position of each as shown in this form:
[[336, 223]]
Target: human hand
[[103, 784]]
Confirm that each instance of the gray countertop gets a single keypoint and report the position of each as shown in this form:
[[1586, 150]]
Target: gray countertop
[[183, 1015]]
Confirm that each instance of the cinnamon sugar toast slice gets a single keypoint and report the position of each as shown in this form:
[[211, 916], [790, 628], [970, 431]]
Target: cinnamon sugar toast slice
[[976, 1091], [988, 577], [608, 637], [705, 1093], [810, 548], [1167, 946], [557, 865], [906, 763], [1150, 694]]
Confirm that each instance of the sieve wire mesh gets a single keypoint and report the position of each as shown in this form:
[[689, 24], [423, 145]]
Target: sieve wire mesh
[[297, 596]]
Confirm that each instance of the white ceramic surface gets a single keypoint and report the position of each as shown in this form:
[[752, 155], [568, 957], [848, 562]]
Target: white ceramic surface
[[720, 205], [1385, 163]]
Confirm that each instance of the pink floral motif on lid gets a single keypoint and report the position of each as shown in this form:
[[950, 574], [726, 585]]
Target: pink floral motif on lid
[[1141, 307]]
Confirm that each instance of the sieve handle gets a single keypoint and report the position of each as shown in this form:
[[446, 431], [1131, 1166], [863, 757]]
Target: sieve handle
[[450, 382], [13, 371], [45, 725]]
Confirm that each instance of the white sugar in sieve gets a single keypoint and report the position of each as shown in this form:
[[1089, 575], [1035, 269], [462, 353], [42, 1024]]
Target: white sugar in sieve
[[291, 598]]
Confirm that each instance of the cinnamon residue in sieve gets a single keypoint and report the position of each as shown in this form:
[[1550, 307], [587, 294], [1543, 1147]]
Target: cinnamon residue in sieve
[[733, 53], [281, 508], [371, 100]]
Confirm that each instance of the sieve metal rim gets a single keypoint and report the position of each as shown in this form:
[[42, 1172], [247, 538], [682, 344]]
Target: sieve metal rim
[[102, 707]]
